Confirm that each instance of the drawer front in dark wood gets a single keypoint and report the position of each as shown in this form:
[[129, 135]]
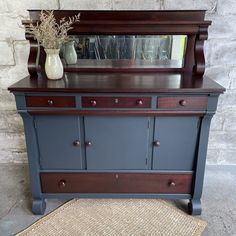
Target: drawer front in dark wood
[[116, 102], [50, 101], [116, 183], [182, 103]]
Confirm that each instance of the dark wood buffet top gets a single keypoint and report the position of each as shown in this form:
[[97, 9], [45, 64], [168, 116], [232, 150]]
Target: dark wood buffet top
[[120, 83]]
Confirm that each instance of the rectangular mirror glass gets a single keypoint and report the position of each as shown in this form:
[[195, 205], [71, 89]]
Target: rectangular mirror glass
[[125, 51]]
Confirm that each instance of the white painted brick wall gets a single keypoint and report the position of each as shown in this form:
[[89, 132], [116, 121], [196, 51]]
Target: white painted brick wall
[[209, 5], [86, 5], [20, 7], [6, 57], [220, 51], [226, 7], [136, 4]]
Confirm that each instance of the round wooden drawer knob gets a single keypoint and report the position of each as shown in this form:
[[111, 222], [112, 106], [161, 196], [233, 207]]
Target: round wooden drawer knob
[[62, 184], [50, 102], [182, 103], [93, 103], [139, 102], [172, 184]]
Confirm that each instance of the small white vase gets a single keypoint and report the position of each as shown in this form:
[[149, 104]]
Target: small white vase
[[70, 54], [53, 64]]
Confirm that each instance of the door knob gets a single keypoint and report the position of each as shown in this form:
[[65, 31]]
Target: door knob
[[76, 143], [88, 143], [156, 143]]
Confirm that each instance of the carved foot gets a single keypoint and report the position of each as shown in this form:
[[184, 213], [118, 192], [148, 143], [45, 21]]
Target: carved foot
[[194, 207], [38, 206]]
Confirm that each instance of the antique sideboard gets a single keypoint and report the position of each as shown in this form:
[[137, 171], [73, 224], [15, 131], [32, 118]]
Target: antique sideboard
[[130, 119]]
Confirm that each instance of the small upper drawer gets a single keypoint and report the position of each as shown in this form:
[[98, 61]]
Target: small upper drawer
[[182, 103], [116, 102], [50, 101]]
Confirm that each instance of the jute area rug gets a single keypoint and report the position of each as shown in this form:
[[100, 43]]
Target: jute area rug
[[116, 217]]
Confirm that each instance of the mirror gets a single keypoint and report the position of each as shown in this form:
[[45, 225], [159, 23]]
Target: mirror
[[140, 51]]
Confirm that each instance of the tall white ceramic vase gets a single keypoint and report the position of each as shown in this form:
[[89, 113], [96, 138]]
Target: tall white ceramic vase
[[53, 64]]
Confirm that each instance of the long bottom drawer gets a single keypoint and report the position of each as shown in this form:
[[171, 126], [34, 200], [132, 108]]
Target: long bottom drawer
[[116, 183]]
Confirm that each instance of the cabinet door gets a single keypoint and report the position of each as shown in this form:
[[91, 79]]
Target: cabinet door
[[116, 142], [56, 140], [177, 141]]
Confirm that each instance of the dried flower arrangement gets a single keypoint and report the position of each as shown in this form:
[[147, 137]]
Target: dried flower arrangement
[[49, 33]]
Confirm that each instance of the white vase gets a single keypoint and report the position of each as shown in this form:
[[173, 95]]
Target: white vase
[[70, 54], [53, 64]]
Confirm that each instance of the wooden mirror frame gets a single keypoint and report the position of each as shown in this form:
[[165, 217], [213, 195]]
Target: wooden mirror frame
[[190, 23]]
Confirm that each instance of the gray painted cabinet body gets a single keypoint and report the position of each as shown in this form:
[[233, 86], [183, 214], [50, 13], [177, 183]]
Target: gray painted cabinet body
[[94, 149]]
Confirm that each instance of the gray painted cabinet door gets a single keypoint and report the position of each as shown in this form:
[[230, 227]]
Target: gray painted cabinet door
[[56, 136], [116, 142], [178, 140]]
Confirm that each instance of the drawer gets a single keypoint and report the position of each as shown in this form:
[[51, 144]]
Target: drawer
[[50, 101], [182, 103], [116, 183], [116, 102]]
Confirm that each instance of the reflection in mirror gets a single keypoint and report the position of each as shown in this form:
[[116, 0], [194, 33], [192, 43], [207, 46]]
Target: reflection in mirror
[[143, 51]]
